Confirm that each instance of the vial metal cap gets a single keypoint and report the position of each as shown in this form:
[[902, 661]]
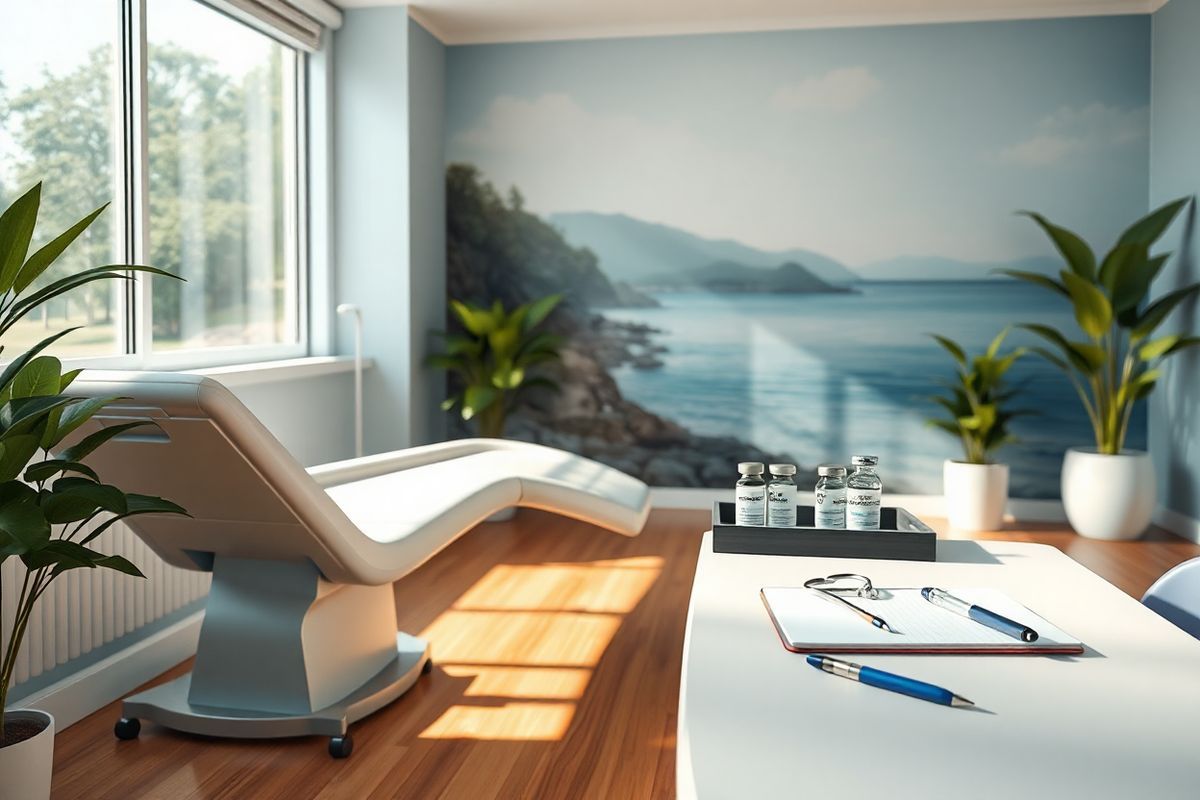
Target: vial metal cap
[[783, 469], [865, 461], [831, 471], [750, 468]]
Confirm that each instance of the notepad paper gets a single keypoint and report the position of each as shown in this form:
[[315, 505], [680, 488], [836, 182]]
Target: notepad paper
[[807, 622]]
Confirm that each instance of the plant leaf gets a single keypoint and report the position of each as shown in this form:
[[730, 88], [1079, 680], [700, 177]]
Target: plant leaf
[[74, 499], [1131, 288], [44, 257], [1093, 311], [44, 470], [478, 321], [75, 415], [88, 444], [539, 310], [1147, 229], [1123, 259], [476, 399], [1074, 250], [137, 504], [1157, 311], [41, 377], [953, 348], [16, 231], [1036, 278], [1087, 358], [20, 361], [23, 527]]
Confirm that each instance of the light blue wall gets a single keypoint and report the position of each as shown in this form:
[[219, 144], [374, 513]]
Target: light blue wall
[[389, 212], [371, 207], [427, 224], [1174, 172]]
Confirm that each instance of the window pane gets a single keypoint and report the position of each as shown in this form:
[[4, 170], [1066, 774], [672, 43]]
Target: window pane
[[222, 175], [57, 125]]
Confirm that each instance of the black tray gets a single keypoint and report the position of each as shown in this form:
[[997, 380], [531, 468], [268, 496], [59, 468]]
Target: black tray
[[901, 536]]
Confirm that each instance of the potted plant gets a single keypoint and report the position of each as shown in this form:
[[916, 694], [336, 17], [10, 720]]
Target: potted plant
[[1108, 491], [491, 359], [52, 504], [975, 487]]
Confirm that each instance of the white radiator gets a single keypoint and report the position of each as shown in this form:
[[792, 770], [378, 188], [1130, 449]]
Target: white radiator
[[87, 608]]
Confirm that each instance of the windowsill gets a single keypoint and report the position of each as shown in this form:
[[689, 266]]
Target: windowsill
[[261, 372]]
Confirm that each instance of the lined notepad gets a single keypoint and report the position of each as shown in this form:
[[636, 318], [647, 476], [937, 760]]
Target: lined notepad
[[807, 622]]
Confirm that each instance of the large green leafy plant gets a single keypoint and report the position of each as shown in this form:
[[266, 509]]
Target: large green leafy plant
[[977, 400], [492, 359], [1119, 361], [52, 504]]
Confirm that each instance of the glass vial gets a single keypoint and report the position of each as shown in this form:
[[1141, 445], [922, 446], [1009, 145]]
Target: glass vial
[[864, 493], [830, 496], [751, 495], [781, 496]]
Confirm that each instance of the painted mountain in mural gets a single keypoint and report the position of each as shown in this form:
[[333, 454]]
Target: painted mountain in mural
[[735, 278], [641, 252], [936, 268]]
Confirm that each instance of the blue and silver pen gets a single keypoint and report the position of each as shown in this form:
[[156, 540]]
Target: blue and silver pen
[[886, 680], [943, 599]]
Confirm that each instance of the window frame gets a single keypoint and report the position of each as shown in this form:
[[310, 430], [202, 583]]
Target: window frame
[[131, 193]]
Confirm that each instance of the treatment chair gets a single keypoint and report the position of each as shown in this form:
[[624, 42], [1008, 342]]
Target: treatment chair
[[299, 635]]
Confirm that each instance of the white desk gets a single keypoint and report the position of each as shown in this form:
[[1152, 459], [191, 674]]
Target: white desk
[[755, 721]]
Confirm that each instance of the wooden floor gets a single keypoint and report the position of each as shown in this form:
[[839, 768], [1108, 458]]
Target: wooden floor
[[558, 654]]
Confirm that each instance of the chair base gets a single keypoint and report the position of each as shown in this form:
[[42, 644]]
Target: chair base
[[168, 704]]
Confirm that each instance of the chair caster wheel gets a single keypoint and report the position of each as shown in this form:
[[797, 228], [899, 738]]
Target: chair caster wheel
[[341, 746], [427, 667], [127, 728]]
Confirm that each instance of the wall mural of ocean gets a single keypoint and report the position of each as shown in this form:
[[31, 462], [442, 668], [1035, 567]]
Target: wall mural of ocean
[[756, 232]]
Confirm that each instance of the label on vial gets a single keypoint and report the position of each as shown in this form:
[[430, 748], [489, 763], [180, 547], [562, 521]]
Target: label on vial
[[831, 508], [751, 505], [862, 509], [781, 506]]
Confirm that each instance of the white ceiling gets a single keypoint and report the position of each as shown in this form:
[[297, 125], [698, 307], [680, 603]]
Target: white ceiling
[[474, 21]]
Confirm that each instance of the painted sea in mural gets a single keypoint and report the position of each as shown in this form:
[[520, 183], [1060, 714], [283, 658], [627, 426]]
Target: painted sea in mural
[[818, 376]]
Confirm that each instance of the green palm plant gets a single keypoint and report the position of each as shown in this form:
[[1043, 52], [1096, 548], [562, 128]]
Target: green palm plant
[[976, 400], [52, 504], [1121, 358], [493, 359]]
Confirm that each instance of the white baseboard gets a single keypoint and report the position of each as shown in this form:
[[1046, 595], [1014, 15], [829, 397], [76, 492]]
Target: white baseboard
[[923, 505], [1178, 524], [97, 685]]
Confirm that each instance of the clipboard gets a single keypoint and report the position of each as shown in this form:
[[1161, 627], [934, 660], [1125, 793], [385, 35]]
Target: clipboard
[[808, 623]]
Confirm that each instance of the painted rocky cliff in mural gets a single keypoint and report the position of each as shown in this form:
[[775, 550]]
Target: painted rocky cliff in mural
[[497, 250]]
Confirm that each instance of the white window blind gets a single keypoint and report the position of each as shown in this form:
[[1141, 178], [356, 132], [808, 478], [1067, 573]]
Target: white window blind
[[299, 23]]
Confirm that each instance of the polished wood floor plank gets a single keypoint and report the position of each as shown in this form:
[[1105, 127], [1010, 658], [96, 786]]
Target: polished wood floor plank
[[557, 649]]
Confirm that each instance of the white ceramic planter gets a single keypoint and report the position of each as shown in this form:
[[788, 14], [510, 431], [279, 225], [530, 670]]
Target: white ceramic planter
[[26, 767], [976, 495], [1107, 496]]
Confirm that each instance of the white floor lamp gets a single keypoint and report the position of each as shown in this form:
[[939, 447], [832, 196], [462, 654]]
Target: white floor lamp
[[349, 308]]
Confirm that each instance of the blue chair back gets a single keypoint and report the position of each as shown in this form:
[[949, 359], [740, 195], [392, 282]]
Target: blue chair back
[[1176, 596]]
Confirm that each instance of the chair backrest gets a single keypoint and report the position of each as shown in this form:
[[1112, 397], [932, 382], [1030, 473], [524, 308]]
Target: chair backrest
[[247, 496], [1176, 596]]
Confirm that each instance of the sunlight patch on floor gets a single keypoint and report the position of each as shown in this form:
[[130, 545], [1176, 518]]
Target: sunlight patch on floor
[[526, 637], [614, 586], [512, 721], [538, 683]]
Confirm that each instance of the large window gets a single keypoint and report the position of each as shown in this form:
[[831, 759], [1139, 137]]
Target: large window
[[188, 120]]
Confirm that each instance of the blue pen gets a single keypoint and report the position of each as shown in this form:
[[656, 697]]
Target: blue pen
[[997, 622], [886, 680]]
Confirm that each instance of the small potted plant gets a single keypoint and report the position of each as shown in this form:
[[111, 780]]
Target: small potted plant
[[976, 487], [52, 504], [492, 359], [1108, 491]]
